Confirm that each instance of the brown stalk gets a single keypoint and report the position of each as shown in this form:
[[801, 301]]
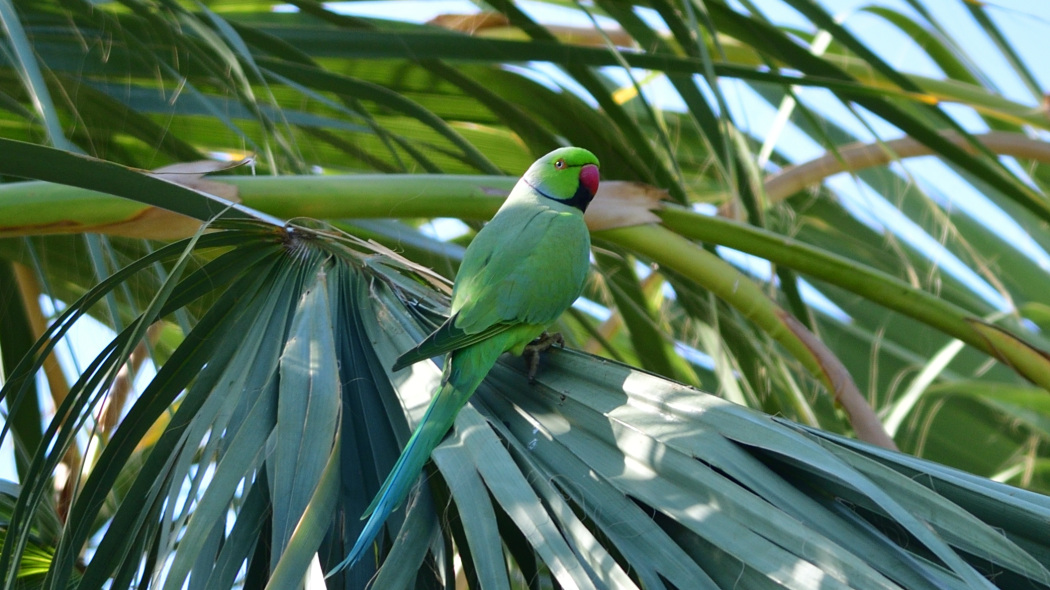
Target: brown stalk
[[859, 412], [29, 289], [859, 156], [113, 405]]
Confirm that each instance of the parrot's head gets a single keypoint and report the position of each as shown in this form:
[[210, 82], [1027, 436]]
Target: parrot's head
[[567, 175]]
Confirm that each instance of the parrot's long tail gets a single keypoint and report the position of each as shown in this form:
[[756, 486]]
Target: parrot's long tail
[[466, 369]]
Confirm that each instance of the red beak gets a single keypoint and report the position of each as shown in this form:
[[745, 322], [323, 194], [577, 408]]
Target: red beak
[[589, 178]]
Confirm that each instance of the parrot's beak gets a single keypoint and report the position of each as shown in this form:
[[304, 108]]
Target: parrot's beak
[[589, 177]]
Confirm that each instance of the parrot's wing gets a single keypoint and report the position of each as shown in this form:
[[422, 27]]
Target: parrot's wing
[[499, 288], [446, 339], [531, 282]]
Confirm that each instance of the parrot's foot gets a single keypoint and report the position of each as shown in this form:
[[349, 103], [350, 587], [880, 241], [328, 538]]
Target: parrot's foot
[[534, 348]]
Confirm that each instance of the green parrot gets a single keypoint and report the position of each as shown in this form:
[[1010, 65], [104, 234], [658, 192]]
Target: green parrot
[[522, 270]]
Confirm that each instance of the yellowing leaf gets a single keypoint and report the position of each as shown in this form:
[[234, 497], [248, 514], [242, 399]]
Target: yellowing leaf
[[161, 224]]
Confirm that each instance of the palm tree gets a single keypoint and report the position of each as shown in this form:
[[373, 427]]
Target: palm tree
[[238, 411]]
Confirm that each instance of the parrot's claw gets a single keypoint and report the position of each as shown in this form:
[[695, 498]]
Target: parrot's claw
[[534, 348]]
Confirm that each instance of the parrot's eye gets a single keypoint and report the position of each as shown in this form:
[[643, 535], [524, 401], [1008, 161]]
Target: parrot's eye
[[559, 163]]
